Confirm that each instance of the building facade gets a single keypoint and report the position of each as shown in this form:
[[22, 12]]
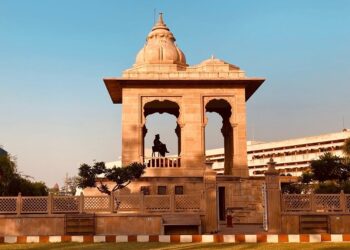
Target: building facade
[[292, 156]]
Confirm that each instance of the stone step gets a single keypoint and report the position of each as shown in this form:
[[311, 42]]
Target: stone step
[[77, 224]]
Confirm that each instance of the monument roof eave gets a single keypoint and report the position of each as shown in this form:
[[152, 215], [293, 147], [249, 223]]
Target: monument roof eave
[[115, 85]]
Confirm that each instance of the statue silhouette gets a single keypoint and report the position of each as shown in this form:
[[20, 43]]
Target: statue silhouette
[[159, 147]]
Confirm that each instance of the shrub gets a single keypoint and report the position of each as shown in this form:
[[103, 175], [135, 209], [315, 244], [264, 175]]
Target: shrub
[[327, 187]]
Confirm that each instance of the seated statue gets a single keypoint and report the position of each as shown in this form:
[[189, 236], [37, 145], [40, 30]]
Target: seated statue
[[159, 147]]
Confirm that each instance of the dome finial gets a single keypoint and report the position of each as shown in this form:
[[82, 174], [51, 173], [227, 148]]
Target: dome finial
[[160, 23], [160, 19]]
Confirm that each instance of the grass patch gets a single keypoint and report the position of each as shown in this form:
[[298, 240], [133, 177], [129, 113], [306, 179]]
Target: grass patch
[[180, 246]]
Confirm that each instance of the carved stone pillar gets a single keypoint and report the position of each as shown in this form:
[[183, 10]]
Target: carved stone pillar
[[211, 223], [227, 132], [144, 132], [238, 125], [203, 139], [178, 133]]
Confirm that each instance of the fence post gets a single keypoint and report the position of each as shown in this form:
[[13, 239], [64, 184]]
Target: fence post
[[312, 202], [49, 204], [81, 203], [283, 208], [172, 202], [19, 203], [273, 198], [342, 198]]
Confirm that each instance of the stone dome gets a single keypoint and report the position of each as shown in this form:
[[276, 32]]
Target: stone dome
[[160, 47], [217, 62]]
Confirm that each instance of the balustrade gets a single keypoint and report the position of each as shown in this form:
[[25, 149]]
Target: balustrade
[[187, 203], [316, 203], [8, 205], [162, 162], [135, 203], [34, 205]]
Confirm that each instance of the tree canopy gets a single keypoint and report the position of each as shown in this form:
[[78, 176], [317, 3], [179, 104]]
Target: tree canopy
[[12, 182], [93, 176], [346, 147], [328, 174], [346, 151], [329, 167]]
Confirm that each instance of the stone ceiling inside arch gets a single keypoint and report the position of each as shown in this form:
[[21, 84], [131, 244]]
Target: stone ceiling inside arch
[[219, 106], [161, 107]]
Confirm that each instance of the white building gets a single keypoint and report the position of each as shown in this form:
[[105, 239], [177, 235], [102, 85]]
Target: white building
[[292, 156]]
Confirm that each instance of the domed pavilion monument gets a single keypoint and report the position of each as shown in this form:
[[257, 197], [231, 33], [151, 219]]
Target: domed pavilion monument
[[162, 81]]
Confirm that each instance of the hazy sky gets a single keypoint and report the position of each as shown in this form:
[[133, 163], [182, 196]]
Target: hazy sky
[[56, 112]]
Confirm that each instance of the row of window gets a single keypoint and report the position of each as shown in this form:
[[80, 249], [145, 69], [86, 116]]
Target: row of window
[[285, 164], [283, 172], [162, 190], [296, 146], [298, 152]]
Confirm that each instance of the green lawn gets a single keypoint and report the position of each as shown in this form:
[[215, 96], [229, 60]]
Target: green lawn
[[187, 246]]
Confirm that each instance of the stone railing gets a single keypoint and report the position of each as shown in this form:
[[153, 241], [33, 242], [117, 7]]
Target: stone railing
[[162, 162], [133, 203], [160, 203], [316, 203], [187, 203]]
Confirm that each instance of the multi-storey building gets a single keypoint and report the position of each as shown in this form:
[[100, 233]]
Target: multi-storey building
[[292, 156]]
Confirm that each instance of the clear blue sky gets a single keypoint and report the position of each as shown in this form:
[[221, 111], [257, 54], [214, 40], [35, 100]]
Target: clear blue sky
[[56, 112]]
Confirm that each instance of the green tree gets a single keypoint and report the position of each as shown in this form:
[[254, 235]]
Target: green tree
[[7, 173], [12, 183], [328, 174], [291, 188], [327, 187], [346, 147], [93, 176], [329, 167], [346, 187], [26, 187], [346, 151], [306, 177]]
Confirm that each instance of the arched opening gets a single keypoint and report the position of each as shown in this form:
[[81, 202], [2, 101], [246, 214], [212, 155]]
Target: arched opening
[[164, 125], [212, 137], [214, 141], [161, 117]]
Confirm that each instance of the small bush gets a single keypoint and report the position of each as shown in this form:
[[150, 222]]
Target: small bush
[[328, 187], [346, 187], [291, 188]]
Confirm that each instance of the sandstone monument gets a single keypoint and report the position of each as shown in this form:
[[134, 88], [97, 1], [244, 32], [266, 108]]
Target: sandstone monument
[[181, 194], [162, 81]]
